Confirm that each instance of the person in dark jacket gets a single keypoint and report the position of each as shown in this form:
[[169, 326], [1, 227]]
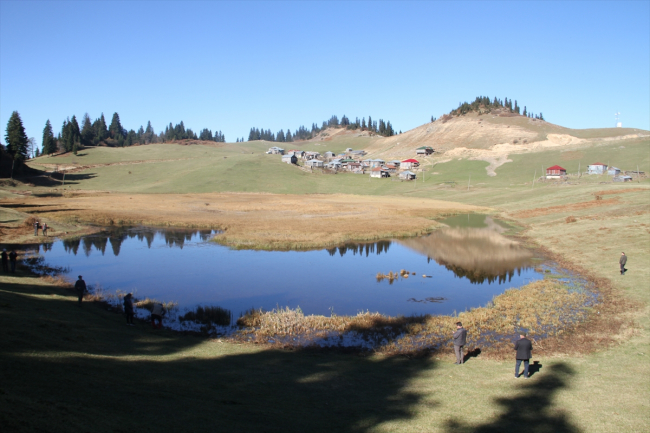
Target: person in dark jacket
[[5, 261], [622, 261], [128, 309], [12, 260], [36, 226], [80, 287], [524, 348], [460, 339]]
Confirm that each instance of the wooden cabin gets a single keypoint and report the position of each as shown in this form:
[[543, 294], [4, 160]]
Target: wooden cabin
[[290, 158], [379, 172], [407, 175], [409, 164], [555, 172], [597, 168]]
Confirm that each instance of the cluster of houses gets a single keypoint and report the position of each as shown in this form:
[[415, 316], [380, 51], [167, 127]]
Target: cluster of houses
[[351, 161], [557, 172]]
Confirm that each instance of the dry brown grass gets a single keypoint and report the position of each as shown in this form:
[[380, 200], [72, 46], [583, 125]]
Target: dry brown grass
[[544, 308], [619, 191], [530, 213], [260, 221]]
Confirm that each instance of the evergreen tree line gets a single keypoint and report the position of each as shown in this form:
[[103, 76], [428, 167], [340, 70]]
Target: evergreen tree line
[[483, 104], [93, 133], [302, 133]]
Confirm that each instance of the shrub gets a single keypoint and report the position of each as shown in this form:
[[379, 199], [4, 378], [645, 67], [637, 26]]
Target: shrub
[[251, 318], [208, 314]]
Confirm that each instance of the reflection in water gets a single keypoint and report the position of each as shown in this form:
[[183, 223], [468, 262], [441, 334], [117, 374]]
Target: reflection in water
[[150, 262], [354, 248], [173, 238], [478, 254]]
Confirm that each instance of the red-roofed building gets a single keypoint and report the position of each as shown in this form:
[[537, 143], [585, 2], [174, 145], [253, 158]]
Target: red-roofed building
[[409, 163], [379, 172], [555, 172]]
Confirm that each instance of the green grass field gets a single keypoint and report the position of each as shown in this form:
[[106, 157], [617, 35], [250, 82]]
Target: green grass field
[[66, 368], [246, 168]]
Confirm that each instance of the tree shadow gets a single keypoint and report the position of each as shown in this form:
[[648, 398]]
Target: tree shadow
[[530, 411], [71, 368]]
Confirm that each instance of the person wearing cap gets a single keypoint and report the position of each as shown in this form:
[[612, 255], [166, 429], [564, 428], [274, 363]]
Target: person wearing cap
[[523, 347], [80, 287], [460, 339], [36, 225], [622, 261]]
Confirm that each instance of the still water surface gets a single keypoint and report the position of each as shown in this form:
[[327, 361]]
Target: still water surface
[[469, 263]]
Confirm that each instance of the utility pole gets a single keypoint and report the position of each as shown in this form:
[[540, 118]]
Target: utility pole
[[534, 176]]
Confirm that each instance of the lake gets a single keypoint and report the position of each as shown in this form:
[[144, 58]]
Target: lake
[[468, 263]]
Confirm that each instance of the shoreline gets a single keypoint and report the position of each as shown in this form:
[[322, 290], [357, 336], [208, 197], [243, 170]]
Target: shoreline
[[490, 326]]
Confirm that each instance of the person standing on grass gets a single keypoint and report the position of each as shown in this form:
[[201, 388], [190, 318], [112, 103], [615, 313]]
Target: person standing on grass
[[45, 229], [80, 287], [460, 339], [5, 263], [524, 348], [36, 225], [12, 259], [622, 261], [128, 308], [157, 314]]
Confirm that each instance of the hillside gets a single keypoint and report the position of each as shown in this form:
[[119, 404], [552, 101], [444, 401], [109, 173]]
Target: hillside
[[473, 131], [491, 138]]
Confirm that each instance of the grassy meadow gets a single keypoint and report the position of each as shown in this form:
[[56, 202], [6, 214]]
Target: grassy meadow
[[69, 368]]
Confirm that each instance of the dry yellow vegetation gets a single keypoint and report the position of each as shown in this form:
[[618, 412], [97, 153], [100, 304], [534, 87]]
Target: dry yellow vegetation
[[250, 220]]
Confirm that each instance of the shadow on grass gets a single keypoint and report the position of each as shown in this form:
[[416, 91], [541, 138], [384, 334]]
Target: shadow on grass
[[530, 411], [56, 179], [70, 368], [472, 354]]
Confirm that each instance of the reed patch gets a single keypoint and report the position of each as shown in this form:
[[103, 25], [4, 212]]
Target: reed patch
[[543, 309]]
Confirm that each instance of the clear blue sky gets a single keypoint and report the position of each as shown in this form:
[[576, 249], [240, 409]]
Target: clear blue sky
[[232, 65]]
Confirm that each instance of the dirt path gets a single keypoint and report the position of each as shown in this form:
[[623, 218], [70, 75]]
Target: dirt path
[[497, 155]]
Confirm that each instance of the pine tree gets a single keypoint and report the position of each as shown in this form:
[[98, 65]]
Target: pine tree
[[75, 132], [49, 144], [116, 127], [288, 136], [149, 134], [101, 132], [363, 123], [15, 138], [525, 114], [87, 131]]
